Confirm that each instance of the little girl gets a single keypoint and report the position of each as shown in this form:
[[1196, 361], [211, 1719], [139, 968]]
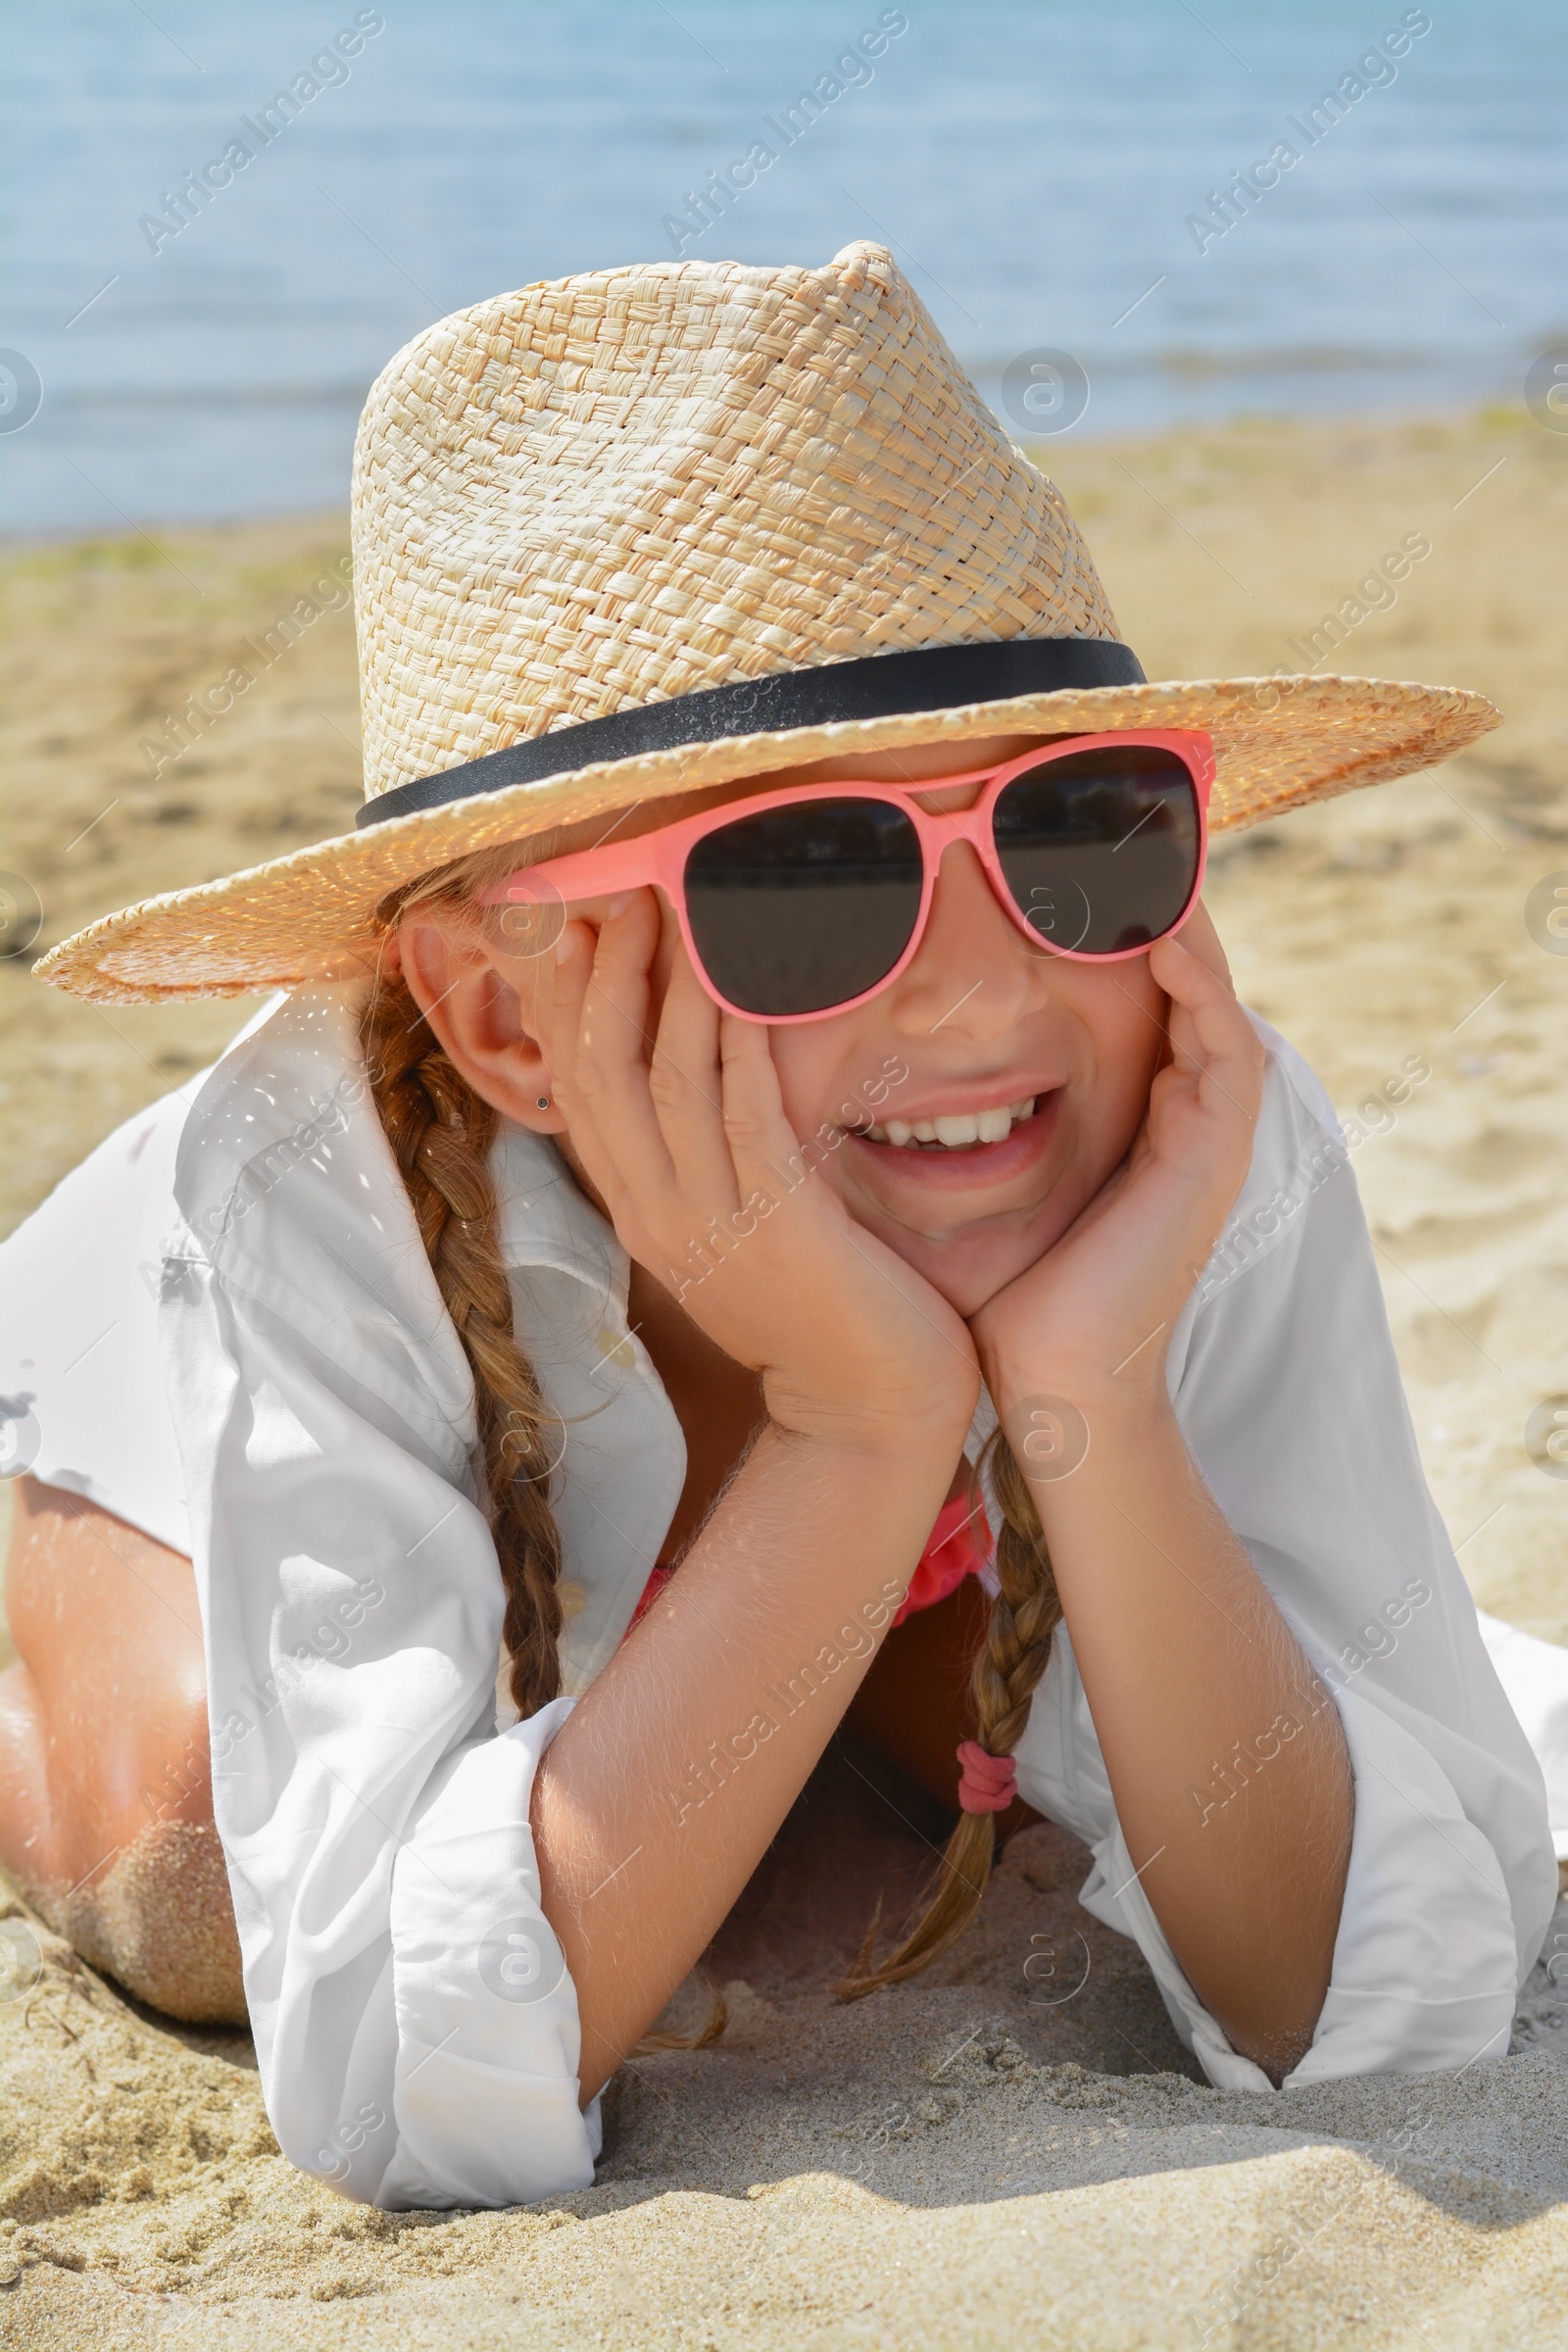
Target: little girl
[[752, 1151]]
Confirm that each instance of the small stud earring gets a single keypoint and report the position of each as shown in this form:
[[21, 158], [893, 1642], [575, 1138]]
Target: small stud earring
[[543, 1102]]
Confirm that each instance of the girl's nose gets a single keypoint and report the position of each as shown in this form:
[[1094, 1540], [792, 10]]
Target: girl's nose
[[973, 969]]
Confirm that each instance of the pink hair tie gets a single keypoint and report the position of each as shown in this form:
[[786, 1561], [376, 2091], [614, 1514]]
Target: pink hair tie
[[990, 1782]]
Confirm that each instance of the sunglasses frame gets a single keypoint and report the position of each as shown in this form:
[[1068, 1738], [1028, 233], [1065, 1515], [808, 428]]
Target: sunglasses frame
[[657, 859]]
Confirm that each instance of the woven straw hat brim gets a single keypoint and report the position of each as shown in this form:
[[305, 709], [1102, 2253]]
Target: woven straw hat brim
[[311, 915], [613, 491]]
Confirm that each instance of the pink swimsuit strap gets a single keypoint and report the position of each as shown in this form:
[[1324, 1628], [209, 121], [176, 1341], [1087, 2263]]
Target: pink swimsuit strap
[[958, 1545], [649, 1593]]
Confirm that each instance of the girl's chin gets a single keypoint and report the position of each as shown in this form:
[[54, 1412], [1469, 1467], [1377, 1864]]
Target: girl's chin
[[967, 1268], [968, 1221]]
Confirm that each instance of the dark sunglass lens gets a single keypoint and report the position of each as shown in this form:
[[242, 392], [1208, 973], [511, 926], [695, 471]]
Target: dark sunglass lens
[[1100, 847], [802, 909]]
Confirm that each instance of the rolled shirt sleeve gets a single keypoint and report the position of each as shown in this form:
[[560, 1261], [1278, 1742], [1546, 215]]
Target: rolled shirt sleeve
[[415, 2027], [1285, 1382], [416, 2030]]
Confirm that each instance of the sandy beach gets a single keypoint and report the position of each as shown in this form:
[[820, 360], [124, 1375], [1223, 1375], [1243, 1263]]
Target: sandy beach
[[1013, 2148]]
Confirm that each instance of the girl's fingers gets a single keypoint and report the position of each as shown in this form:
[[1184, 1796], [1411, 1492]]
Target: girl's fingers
[[645, 1109], [759, 1137], [570, 971], [1187, 979], [687, 1086], [1186, 982], [1212, 1039], [602, 1003], [573, 967], [1200, 940]]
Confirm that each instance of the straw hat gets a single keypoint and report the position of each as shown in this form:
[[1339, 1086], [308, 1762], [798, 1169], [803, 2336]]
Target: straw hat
[[622, 536]]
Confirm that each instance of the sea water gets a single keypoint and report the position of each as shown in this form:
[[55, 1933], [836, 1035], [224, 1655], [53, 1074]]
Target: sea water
[[1121, 214]]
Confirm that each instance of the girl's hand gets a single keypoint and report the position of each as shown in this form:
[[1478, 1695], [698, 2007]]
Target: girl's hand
[[684, 1138], [1098, 1308]]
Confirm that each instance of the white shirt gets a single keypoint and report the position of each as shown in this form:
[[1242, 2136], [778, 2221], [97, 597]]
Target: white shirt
[[311, 1442]]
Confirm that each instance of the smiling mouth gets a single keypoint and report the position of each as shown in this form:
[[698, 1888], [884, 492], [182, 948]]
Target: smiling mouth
[[956, 1131]]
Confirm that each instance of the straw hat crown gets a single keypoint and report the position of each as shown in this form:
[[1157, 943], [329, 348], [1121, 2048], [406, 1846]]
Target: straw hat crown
[[594, 494], [623, 535]]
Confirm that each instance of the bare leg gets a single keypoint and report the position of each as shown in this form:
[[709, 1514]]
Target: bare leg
[[106, 1808], [106, 1815]]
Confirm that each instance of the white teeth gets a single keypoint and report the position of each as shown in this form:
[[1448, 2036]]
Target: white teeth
[[956, 1130]]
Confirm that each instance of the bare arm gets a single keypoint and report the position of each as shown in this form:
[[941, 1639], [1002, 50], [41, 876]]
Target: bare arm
[[659, 1796], [1182, 1651], [1184, 1657], [665, 1785]]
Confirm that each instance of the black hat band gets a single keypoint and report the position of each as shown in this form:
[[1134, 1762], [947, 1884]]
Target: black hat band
[[936, 677]]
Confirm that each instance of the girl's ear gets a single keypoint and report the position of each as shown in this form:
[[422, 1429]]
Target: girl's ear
[[482, 1006]]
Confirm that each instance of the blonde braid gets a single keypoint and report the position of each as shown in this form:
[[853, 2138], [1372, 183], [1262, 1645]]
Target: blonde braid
[[441, 1132], [1007, 1674]]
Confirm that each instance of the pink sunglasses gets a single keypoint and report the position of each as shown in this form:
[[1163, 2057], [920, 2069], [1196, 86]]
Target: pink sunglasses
[[805, 902]]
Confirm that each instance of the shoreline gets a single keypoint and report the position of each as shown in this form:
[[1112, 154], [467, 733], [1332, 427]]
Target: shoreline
[[1495, 408]]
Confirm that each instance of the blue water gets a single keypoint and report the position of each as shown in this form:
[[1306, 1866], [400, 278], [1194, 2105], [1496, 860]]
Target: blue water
[[1033, 164]]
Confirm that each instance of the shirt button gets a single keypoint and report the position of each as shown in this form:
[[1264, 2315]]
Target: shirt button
[[574, 1599], [617, 1348]]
